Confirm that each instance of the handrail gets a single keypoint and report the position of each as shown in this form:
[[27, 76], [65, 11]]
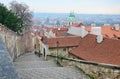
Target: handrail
[[90, 62]]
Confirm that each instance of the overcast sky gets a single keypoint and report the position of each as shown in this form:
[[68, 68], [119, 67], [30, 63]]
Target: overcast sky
[[78, 6]]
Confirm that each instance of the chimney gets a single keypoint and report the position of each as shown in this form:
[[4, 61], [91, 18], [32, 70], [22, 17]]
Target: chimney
[[117, 27], [99, 38], [96, 30]]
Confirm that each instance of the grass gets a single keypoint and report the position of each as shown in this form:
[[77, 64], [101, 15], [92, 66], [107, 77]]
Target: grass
[[59, 64], [88, 75]]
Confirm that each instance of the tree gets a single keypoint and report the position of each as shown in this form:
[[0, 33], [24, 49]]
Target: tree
[[9, 19], [22, 11]]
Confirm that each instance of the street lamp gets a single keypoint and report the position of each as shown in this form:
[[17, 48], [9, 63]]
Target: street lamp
[[57, 43]]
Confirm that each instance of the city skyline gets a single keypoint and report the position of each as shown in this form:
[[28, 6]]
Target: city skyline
[[66, 6]]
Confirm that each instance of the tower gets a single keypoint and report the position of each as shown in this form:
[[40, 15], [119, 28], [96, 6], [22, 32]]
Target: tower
[[71, 18]]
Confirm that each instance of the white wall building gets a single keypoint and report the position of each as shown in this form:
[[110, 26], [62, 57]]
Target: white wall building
[[79, 31]]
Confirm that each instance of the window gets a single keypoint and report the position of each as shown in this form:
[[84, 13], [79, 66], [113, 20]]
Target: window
[[64, 49]]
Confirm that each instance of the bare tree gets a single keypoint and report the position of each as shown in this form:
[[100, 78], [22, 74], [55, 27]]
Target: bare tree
[[23, 12]]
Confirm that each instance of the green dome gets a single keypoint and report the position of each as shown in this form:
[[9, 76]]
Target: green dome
[[72, 14], [71, 17]]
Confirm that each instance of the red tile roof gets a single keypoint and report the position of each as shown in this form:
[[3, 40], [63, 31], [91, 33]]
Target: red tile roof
[[57, 30], [70, 41], [106, 52], [88, 28], [107, 31], [49, 28], [77, 25]]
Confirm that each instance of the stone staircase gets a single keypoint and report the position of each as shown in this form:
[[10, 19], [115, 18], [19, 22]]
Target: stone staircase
[[29, 66]]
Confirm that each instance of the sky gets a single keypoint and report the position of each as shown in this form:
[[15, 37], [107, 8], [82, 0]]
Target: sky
[[66, 6]]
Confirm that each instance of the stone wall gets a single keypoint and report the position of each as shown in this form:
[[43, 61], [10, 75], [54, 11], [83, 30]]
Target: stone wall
[[7, 70], [62, 51], [96, 70], [16, 44]]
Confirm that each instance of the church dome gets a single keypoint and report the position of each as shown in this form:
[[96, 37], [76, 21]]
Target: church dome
[[71, 17]]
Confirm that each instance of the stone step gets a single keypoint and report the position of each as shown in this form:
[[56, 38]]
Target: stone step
[[29, 57], [50, 73], [34, 64], [30, 66]]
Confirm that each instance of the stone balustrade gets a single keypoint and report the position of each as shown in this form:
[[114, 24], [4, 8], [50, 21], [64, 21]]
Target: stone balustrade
[[97, 70]]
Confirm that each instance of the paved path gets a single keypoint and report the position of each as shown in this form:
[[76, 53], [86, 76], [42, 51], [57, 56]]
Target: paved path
[[29, 66]]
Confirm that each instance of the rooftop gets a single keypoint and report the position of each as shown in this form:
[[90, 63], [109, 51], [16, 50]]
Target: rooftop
[[70, 41], [57, 30], [107, 31], [106, 52]]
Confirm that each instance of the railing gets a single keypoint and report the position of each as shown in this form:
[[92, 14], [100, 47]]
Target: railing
[[97, 70]]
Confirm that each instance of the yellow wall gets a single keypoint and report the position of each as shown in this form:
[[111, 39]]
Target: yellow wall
[[16, 44]]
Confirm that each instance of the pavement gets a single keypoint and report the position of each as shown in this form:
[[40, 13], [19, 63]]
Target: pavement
[[30, 66]]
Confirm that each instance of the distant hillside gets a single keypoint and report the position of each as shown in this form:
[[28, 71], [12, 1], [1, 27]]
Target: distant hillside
[[87, 19], [51, 15], [64, 15]]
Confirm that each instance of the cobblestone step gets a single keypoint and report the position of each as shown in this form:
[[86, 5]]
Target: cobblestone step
[[34, 64], [29, 57], [50, 73], [29, 66]]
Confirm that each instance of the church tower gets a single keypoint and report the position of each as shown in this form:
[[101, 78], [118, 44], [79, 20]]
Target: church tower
[[71, 18]]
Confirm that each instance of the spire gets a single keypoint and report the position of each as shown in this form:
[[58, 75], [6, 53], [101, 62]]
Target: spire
[[72, 14], [71, 18]]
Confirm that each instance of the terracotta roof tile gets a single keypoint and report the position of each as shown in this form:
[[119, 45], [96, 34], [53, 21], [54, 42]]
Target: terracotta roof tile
[[106, 52], [107, 30], [59, 31], [70, 41], [88, 28], [75, 25], [78, 25]]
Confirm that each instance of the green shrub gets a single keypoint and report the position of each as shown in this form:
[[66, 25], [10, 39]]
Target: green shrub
[[90, 76]]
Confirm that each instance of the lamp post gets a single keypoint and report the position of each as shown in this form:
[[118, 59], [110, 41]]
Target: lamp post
[[57, 43]]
